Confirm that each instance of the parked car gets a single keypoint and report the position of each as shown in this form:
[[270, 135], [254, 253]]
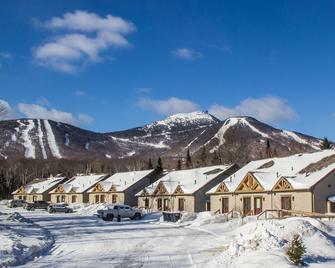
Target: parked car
[[53, 208], [118, 212], [15, 203], [36, 205]]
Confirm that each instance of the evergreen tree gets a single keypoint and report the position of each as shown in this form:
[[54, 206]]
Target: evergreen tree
[[150, 166], [296, 250], [179, 167], [215, 158], [159, 167], [268, 149], [326, 144], [203, 156], [188, 159]]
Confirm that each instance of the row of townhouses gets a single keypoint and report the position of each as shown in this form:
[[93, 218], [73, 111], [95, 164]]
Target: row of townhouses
[[303, 182]]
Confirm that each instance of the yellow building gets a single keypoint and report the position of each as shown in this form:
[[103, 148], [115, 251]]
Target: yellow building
[[302, 182]]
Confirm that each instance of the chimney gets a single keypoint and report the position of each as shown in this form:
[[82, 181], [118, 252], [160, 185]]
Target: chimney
[[195, 181]]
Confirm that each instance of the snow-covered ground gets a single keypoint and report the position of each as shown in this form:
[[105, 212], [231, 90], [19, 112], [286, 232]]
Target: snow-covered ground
[[197, 240]]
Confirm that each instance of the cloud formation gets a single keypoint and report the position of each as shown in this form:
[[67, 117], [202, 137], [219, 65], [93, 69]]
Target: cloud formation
[[41, 112], [83, 38], [6, 111], [169, 106], [186, 54], [267, 109], [6, 55]]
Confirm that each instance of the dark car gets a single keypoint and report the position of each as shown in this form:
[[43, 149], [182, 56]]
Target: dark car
[[53, 208], [36, 205], [15, 203]]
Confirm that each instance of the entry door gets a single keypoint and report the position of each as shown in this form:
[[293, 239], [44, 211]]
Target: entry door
[[258, 206], [159, 203], [166, 204], [246, 205], [225, 205], [286, 202], [181, 203]]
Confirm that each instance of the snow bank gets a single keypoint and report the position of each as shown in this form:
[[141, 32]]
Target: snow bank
[[86, 209], [202, 218], [263, 243], [21, 240]]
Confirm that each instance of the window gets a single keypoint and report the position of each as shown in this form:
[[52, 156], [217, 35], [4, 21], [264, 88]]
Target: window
[[34, 198], [181, 203], [332, 207], [146, 203], [74, 199], [63, 198], [57, 199], [97, 199], [102, 198], [20, 197], [114, 198]]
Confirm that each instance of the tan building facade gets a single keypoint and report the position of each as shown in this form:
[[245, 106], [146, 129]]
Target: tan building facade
[[76, 189], [264, 189], [38, 190], [184, 190], [121, 187]]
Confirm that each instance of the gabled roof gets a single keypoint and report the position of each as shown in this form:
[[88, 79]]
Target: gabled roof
[[79, 184], [268, 172], [40, 187], [121, 181], [189, 181]]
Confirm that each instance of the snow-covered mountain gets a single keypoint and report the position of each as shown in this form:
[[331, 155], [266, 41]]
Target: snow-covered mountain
[[242, 138]]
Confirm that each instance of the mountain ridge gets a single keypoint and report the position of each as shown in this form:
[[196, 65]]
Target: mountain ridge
[[235, 138]]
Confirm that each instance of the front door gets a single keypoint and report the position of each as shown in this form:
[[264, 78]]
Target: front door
[[286, 203], [159, 203], [181, 203], [166, 204], [246, 206], [225, 205], [258, 206]]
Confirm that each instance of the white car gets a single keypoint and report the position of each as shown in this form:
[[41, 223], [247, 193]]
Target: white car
[[119, 211]]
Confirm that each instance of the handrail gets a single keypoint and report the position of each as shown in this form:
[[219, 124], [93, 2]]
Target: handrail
[[217, 212], [294, 213]]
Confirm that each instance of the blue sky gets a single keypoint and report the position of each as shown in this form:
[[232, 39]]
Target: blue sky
[[112, 65]]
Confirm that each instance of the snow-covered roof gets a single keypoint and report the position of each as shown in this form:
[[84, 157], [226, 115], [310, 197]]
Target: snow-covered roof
[[123, 180], [269, 171], [82, 183], [189, 180], [41, 186]]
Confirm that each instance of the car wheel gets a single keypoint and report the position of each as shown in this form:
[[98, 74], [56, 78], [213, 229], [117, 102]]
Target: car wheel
[[110, 217], [14, 206], [137, 216]]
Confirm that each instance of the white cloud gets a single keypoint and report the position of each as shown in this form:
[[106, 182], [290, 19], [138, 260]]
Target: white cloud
[[169, 106], [144, 90], [41, 112], [6, 55], [186, 54], [267, 109], [6, 111], [86, 37]]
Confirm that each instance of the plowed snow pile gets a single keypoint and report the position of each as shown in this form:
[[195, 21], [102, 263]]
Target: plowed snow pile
[[21, 240], [263, 243]]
